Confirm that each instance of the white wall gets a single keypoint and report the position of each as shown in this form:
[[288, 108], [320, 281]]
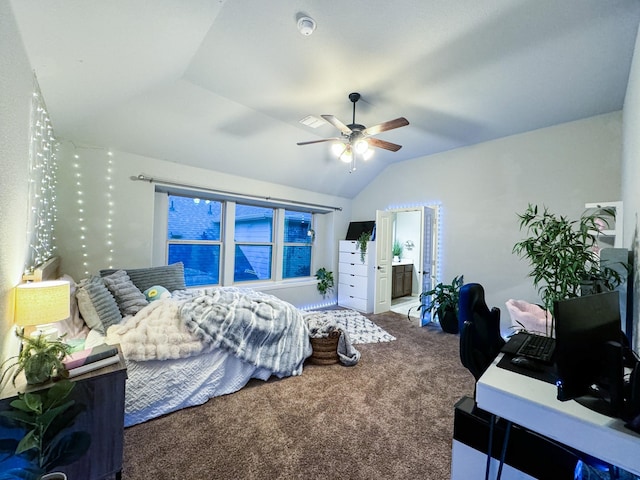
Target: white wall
[[482, 187], [631, 177], [118, 216], [16, 87]]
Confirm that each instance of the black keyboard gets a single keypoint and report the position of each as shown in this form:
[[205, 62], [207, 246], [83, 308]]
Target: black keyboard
[[537, 347]]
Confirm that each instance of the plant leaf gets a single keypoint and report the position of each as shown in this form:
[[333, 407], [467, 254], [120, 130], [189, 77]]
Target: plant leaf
[[28, 442], [67, 449]]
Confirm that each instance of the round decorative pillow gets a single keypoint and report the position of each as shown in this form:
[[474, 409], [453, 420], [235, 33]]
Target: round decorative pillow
[[156, 292]]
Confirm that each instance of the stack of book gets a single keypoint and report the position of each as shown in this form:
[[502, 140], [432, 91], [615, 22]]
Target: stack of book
[[90, 359]]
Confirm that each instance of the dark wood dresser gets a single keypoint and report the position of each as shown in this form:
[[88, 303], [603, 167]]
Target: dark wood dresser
[[102, 392]]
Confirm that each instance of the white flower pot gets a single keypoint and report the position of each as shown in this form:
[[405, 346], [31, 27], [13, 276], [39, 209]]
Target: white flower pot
[[54, 476]]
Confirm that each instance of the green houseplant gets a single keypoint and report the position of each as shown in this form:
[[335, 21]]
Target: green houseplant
[[443, 300], [562, 255], [361, 244], [325, 281], [44, 417], [397, 249], [39, 358]]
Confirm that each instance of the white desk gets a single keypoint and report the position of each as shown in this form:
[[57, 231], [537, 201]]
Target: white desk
[[532, 404]]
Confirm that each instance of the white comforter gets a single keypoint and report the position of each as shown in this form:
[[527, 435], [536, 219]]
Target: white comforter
[[156, 333], [258, 328]]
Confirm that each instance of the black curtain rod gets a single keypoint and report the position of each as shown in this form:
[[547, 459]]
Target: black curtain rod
[[146, 178]]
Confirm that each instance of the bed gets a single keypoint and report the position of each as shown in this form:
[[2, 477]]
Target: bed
[[183, 346]]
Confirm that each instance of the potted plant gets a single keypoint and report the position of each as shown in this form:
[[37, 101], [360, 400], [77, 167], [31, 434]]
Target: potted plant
[[443, 300], [46, 444], [325, 281], [39, 358], [361, 244], [397, 250], [563, 255]]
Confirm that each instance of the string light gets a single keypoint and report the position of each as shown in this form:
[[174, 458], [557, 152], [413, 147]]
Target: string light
[[87, 248], [80, 202], [43, 166]]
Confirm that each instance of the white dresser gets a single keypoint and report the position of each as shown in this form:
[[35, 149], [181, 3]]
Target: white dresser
[[356, 279]]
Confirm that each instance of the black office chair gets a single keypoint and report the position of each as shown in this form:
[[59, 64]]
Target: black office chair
[[480, 343], [480, 339]]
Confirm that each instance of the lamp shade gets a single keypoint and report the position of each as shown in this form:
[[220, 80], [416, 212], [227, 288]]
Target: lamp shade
[[39, 303]]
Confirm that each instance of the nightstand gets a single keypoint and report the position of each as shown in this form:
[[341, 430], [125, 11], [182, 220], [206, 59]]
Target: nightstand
[[102, 392]]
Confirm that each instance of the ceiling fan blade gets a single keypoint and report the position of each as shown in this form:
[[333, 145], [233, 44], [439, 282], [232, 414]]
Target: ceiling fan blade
[[383, 127], [337, 123], [376, 142], [319, 141]]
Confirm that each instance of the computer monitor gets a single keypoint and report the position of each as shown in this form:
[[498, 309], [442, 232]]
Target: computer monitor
[[589, 352], [358, 228]]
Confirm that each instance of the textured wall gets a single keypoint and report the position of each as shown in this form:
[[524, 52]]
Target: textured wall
[[480, 189], [128, 222], [16, 86]]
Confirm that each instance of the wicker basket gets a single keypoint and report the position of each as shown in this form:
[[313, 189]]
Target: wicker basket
[[325, 350]]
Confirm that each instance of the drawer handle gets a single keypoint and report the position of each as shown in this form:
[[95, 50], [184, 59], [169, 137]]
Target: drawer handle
[[352, 285]]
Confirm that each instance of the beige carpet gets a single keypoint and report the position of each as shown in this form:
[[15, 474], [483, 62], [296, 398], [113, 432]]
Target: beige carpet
[[389, 417]]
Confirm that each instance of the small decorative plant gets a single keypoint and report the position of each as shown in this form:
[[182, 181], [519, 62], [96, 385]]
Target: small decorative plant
[[397, 249], [563, 255], [362, 244], [43, 416], [325, 281], [39, 358], [443, 300]]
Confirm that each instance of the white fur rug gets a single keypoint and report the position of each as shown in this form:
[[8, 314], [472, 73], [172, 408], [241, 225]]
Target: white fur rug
[[359, 327]]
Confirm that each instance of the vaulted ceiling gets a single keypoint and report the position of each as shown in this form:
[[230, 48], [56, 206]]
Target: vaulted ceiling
[[223, 84]]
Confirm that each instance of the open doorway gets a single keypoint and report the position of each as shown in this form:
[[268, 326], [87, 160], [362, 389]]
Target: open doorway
[[413, 237]]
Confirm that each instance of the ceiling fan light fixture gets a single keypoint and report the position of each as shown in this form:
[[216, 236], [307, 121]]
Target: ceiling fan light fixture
[[368, 154], [338, 148], [347, 155], [361, 146]]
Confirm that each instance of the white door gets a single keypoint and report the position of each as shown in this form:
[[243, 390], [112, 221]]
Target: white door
[[383, 262]]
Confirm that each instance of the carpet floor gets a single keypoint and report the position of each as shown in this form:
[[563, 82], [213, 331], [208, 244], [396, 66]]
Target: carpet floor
[[388, 417]]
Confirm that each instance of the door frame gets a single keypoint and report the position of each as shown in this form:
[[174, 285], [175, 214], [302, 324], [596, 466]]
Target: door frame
[[434, 273]]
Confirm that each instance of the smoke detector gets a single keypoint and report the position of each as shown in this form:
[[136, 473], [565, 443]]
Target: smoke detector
[[306, 25]]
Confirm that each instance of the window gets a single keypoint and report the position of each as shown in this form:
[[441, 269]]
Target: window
[[194, 229], [297, 244], [253, 243], [262, 242]]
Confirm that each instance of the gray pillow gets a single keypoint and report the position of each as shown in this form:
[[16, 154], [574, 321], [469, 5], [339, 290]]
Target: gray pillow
[[129, 298], [97, 306], [170, 277]]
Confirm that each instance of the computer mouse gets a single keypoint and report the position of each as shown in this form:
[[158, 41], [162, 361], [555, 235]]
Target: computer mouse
[[524, 362]]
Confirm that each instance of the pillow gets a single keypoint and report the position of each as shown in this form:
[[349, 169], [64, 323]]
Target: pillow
[[96, 304], [72, 327], [129, 298], [170, 277], [156, 293]]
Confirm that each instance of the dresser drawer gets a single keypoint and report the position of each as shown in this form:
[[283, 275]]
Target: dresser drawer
[[349, 246], [353, 257], [358, 290], [353, 280], [357, 269], [352, 302]]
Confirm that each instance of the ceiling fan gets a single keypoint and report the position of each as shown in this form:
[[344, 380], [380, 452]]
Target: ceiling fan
[[358, 138]]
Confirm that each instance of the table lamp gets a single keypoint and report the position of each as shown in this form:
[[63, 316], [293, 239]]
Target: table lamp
[[41, 304]]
